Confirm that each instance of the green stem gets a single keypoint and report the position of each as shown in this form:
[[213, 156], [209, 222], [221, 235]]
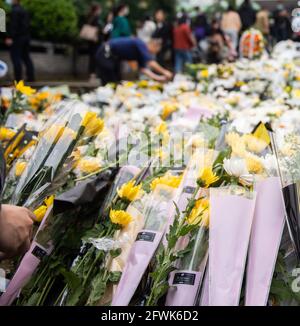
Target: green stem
[[44, 291]]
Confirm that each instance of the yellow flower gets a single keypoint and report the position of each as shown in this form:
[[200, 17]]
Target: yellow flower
[[239, 83], [207, 177], [120, 217], [26, 90], [129, 84], [200, 213], [129, 191], [254, 144], [6, 134], [296, 93], [20, 167], [253, 164], [204, 73], [162, 128], [168, 180], [143, 84], [93, 125], [167, 110], [88, 166], [41, 211], [88, 117]]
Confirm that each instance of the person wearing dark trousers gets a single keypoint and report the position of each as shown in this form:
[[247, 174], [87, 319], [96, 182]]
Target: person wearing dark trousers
[[164, 32], [111, 54], [19, 41], [93, 19]]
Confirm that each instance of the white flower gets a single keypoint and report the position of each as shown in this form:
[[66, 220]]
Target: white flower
[[270, 164], [237, 167]]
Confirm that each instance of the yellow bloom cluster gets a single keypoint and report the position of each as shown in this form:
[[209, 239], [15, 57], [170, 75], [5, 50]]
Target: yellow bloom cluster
[[36, 100], [129, 191], [168, 180], [200, 213], [87, 166], [120, 217], [241, 145], [207, 177], [25, 90], [93, 125]]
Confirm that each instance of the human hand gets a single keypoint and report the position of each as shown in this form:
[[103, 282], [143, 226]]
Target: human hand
[[168, 74], [15, 230]]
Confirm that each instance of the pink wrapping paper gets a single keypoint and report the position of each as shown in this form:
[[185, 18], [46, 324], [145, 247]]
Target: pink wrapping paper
[[230, 227], [28, 265], [26, 269], [195, 113], [184, 288], [139, 258], [265, 240]]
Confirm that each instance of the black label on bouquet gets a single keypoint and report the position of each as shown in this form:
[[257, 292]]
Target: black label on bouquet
[[189, 190], [146, 236], [184, 278], [39, 252]]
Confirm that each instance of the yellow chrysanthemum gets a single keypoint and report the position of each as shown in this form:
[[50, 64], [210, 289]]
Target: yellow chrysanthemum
[[161, 128], [88, 166], [254, 144], [26, 90], [168, 180], [94, 127], [88, 117], [120, 217], [204, 73], [253, 164], [41, 211], [200, 213], [6, 134], [20, 167], [207, 177], [129, 191], [143, 84], [167, 110]]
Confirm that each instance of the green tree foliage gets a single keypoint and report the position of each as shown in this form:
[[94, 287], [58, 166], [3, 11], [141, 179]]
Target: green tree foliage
[[53, 20]]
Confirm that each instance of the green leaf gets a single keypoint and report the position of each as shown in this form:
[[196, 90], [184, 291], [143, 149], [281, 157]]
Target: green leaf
[[98, 289], [114, 277]]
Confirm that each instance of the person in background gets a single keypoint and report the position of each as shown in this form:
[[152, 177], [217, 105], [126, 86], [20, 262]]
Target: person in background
[[111, 54], [282, 25], [164, 32], [184, 42], [146, 30], [93, 19], [108, 26], [262, 23], [121, 27], [19, 41], [220, 46], [247, 14], [200, 25], [231, 25], [15, 224]]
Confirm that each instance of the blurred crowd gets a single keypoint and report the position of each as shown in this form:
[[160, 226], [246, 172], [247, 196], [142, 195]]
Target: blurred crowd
[[191, 37]]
